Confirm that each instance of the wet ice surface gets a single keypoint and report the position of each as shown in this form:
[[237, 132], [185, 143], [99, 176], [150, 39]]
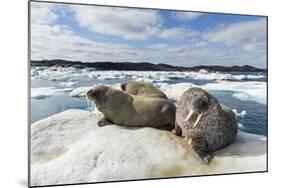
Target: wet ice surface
[[243, 92]]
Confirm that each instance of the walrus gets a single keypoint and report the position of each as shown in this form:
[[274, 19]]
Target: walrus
[[142, 89], [206, 124], [119, 107]]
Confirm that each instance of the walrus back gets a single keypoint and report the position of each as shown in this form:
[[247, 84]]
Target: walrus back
[[143, 89], [222, 130], [154, 112]]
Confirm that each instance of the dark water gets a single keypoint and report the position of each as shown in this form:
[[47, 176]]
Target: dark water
[[255, 121]]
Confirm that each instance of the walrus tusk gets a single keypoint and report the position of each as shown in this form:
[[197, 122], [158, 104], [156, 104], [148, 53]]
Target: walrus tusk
[[90, 103], [197, 120], [93, 105], [189, 115]]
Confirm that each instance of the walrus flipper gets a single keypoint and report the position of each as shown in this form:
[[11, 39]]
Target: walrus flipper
[[202, 156], [103, 122], [177, 130], [199, 146]]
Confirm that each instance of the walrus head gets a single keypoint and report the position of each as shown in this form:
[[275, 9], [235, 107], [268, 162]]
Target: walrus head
[[98, 96], [198, 102]]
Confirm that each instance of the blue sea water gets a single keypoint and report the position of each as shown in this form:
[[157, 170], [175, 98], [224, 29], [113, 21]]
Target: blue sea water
[[255, 121]]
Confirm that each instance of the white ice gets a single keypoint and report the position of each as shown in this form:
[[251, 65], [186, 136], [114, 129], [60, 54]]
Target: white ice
[[240, 125], [34, 72], [44, 92], [242, 114], [80, 91], [255, 91], [241, 96], [71, 73], [68, 84], [69, 147]]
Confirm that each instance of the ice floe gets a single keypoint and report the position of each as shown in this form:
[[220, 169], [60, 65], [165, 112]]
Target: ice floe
[[241, 96], [69, 147], [80, 91], [242, 114], [69, 84], [34, 72], [255, 91], [44, 92], [65, 74], [251, 90]]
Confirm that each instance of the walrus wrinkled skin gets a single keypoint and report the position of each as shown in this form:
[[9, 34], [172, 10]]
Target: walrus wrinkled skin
[[119, 107], [206, 124], [142, 89]]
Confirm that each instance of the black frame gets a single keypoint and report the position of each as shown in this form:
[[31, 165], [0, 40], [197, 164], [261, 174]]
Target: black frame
[[86, 4]]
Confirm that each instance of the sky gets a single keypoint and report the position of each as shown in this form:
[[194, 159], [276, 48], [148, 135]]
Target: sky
[[98, 33]]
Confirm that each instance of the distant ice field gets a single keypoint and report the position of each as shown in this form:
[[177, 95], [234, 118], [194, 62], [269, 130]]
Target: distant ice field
[[57, 89]]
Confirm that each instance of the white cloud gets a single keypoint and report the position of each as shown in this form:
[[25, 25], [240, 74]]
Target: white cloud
[[178, 33], [186, 16], [58, 42], [158, 46], [123, 22], [49, 40], [41, 13], [249, 35], [201, 44]]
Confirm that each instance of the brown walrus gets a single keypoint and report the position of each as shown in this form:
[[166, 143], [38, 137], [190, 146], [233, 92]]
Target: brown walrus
[[206, 124], [119, 107], [142, 89]]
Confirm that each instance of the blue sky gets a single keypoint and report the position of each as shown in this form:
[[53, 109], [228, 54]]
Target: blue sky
[[96, 33]]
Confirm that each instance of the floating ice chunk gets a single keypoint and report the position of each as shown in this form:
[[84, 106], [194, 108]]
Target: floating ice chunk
[[80, 91], [203, 71], [66, 73], [241, 96], [240, 125], [255, 91], [220, 76], [44, 92], [34, 72], [146, 80], [241, 114], [110, 75], [68, 84], [174, 91], [69, 147]]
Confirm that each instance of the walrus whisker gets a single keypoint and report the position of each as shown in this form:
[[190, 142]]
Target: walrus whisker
[[189, 115], [197, 120]]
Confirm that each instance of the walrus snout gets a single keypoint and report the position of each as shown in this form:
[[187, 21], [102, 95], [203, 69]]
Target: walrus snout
[[92, 94], [200, 103], [96, 92]]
